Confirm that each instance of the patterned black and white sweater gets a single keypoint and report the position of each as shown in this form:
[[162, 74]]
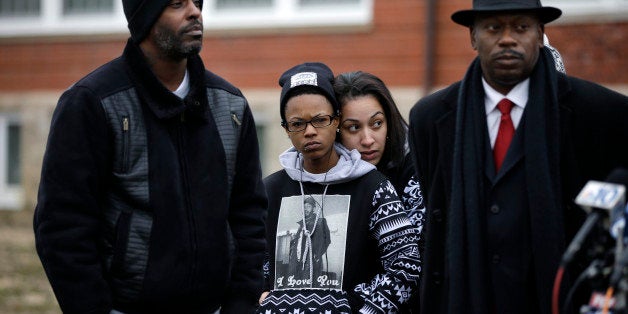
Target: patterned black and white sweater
[[358, 251]]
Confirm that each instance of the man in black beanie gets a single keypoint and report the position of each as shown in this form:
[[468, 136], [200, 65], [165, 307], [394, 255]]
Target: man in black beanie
[[151, 198]]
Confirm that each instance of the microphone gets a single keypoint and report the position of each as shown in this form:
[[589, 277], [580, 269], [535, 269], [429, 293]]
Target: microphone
[[618, 180], [612, 197], [625, 234], [621, 260], [599, 199]]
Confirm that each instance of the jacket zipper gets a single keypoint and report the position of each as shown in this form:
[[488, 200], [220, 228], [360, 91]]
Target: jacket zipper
[[188, 203], [235, 119], [125, 144]]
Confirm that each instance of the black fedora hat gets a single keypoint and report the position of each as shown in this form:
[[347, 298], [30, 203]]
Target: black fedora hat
[[545, 14]]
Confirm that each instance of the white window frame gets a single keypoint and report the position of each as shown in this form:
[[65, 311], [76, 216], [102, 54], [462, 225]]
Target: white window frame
[[586, 11], [52, 22], [282, 14], [11, 195], [288, 14]]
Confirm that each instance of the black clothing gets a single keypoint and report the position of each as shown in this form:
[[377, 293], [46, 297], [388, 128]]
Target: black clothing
[[134, 212], [319, 231], [371, 263], [582, 141]]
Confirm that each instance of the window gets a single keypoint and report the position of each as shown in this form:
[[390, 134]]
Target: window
[[94, 17], [19, 8], [87, 6], [583, 11], [223, 4], [316, 2], [259, 14], [10, 162], [61, 17]]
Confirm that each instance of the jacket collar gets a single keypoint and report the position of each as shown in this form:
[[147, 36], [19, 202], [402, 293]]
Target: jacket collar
[[163, 103], [445, 128], [563, 86], [451, 96]]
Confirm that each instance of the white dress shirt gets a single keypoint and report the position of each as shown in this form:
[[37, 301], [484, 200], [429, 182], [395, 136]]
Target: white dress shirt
[[518, 95]]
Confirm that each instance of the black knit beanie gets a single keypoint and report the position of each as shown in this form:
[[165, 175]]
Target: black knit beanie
[[141, 15], [312, 74]]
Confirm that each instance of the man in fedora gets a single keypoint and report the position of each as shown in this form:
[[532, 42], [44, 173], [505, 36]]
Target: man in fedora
[[500, 175]]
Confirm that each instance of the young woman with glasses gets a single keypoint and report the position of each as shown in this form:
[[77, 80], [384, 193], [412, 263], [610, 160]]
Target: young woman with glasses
[[370, 262]]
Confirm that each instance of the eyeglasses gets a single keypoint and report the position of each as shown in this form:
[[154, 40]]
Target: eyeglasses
[[317, 122]]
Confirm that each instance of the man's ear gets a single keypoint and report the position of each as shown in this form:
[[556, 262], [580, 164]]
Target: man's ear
[[540, 32], [472, 37]]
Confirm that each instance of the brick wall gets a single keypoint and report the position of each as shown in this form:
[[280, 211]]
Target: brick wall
[[597, 52], [50, 65], [393, 47]]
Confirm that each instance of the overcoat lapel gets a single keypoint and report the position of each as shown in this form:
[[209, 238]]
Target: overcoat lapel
[[445, 128]]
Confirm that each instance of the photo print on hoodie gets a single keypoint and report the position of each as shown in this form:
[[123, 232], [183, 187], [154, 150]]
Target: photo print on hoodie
[[311, 257]]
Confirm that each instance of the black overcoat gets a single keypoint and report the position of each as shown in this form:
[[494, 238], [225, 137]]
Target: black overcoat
[[593, 141]]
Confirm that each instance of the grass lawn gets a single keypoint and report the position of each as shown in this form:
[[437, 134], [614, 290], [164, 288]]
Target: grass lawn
[[23, 284]]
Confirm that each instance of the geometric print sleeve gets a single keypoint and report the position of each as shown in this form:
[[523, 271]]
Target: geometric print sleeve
[[412, 199], [399, 254]]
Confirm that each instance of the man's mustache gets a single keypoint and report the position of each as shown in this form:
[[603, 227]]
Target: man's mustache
[[192, 25], [509, 52]]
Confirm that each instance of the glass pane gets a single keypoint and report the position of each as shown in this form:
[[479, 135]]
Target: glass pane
[[87, 6], [558, 3], [316, 2], [234, 4], [20, 8], [14, 174]]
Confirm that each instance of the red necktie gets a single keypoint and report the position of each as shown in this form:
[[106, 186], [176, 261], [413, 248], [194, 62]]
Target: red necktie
[[505, 133]]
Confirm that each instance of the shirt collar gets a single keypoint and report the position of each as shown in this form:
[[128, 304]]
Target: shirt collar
[[518, 95]]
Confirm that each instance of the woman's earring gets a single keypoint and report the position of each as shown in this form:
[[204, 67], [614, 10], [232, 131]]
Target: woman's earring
[[337, 130]]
